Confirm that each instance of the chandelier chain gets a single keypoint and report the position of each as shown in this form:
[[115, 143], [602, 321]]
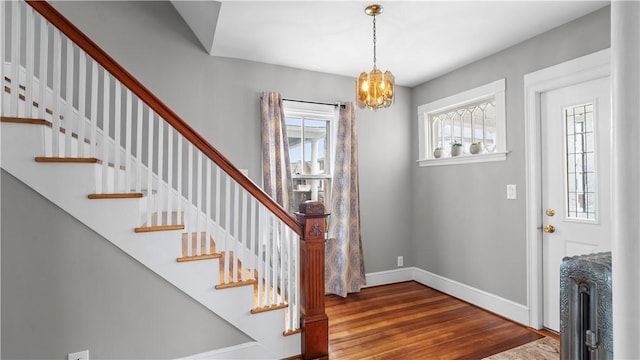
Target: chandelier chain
[[374, 41]]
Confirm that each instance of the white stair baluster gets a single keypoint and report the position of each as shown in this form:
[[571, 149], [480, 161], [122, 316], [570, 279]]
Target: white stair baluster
[[55, 99], [281, 255], [227, 227], [128, 154], [262, 269], [198, 216], [159, 185], [275, 257], [68, 98], [286, 292], [117, 122], [170, 172], [82, 105], [15, 57], [93, 135], [150, 168], [245, 260], [105, 131], [253, 223], [30, 43], [217, 196], [189, 206], [179, 204], [295, 308], [207, 228], [42, 73], [236, 221], [139, 122]]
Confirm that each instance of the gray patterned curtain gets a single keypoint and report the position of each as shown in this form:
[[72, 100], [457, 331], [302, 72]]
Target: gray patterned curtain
[[276, 168], [344, 263]]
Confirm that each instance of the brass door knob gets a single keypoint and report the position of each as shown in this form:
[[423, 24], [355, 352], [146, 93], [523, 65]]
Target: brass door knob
[[549, 229]]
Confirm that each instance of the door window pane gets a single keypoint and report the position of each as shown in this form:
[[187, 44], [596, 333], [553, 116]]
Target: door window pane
[[580, 160]]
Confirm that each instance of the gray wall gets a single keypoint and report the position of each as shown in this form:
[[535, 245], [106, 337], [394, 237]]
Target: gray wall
[[66, 289], [464, 227]]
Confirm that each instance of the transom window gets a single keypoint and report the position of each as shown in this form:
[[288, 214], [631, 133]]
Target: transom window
[[466, 127], [310, 135]]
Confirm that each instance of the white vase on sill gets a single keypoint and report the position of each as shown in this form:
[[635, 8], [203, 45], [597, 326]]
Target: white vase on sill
[[456, 150]]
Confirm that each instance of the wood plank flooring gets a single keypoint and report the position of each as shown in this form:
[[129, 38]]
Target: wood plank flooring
[[411, 321]]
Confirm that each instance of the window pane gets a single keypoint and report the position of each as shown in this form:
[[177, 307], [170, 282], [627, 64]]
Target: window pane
[[312, 189], [294, 134], [473, 122], [315, 146], [580, 160]]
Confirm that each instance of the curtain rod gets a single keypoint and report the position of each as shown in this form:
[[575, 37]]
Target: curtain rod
[[312, 102]]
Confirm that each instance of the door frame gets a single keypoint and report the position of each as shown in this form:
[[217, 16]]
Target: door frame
[[582, 69]]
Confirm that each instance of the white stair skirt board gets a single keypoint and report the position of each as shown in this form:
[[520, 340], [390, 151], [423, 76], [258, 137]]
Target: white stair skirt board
[[496, 304], [68, 184], [246, 351]]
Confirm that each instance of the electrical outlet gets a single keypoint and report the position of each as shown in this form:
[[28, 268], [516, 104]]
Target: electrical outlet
[[80, 355], [400, 261]]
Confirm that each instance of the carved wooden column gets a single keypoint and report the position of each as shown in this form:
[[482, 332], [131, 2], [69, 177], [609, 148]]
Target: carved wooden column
[[313, 319]]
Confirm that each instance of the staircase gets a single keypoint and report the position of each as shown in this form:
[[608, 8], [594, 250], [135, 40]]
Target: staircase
[[100, 146]]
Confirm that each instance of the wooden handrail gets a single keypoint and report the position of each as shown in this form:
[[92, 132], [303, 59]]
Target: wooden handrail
[[117, 71]]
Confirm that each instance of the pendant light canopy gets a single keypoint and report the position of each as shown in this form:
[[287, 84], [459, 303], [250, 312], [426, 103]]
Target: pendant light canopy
[[375, 89]]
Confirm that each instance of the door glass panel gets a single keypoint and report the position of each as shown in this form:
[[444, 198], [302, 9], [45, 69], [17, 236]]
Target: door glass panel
[[580, 159]]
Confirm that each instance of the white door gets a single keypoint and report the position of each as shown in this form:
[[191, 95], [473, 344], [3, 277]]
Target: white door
[[576, 202]]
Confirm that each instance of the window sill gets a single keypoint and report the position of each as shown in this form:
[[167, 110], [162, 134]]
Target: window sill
[[464, 159]]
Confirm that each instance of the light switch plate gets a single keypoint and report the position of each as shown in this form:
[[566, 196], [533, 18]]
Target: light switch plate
[[512, 193]]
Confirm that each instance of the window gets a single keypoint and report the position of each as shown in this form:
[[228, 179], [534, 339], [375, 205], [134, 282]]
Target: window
[[310, 133], [581, 162], [463, 128]]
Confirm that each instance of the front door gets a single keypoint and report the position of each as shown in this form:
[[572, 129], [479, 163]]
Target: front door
[[575, 128]]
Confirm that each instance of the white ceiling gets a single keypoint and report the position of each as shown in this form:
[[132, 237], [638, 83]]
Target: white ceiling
[[416, 40]]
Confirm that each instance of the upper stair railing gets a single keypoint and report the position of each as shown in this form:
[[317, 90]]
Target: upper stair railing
[[97, 110]]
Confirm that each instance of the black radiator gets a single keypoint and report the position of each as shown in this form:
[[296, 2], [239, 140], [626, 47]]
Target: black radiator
[[585, 307]]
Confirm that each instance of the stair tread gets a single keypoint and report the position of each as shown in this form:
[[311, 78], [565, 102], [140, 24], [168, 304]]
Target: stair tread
[[19, 120], [236, 284], [38, 121], [163, 224], [269, 308], [199, 257], [53, 159], [159, 228], [292, 332]]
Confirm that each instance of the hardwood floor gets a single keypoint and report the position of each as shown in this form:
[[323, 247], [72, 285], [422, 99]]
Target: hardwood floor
[[411, 321]]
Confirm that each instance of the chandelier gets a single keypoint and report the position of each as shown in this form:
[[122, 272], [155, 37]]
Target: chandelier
[[375, 89]]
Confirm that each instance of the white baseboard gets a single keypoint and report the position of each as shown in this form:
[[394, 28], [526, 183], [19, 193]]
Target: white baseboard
[[250, 350], [496, 304]]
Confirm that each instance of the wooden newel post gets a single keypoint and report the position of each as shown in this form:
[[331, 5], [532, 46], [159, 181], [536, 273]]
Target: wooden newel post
[[313, 319]]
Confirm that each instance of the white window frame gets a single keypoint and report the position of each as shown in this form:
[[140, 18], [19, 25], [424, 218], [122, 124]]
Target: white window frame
[[495, 90], [315, 111]]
